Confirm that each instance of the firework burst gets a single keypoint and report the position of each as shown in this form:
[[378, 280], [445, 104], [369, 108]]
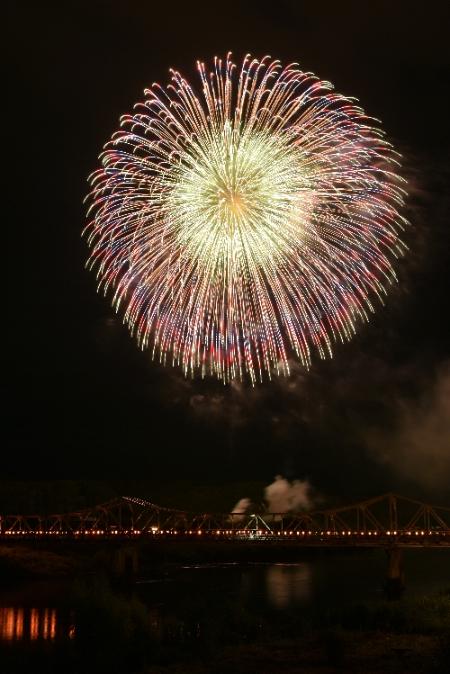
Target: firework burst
[[249, 221]]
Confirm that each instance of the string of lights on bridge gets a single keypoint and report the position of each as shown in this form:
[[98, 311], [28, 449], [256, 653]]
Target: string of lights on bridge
[[234, 533], [385, 518]]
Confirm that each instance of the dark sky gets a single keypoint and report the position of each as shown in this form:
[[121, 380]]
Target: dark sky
[[85, 401]]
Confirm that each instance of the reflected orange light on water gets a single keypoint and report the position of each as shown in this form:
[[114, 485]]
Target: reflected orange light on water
[[18, 625], [28, 623], [34, 624], [7, 623], [287, 584]]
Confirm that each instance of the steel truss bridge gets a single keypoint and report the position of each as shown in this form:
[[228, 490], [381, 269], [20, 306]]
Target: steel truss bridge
[[386, 520]]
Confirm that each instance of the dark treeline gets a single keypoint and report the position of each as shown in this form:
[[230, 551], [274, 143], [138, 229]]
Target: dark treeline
[[58, 496]]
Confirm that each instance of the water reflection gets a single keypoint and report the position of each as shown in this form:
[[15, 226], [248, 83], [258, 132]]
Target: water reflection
[[27, 623], [288, 584]]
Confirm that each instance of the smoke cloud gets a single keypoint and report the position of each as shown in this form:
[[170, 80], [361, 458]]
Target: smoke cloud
[[418, 448], [241, 507], [284, 496], [279, 497]]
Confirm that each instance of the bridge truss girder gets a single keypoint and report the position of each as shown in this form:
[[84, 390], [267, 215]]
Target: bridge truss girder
[[382, 515]]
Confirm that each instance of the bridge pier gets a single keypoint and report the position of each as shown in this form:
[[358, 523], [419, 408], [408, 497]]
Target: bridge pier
[[395, 577], [125, 561]]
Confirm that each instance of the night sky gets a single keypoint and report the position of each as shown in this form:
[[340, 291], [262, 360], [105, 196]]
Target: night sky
[[85, 401]]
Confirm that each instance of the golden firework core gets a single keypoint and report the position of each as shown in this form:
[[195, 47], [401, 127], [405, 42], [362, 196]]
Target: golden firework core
[[246, 196]]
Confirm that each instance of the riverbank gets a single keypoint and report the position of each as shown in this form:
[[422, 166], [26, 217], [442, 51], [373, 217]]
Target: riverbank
[[28, 560], [345, 651], [105, 630], [47, 559]]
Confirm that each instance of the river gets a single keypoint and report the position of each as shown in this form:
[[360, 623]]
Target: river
[[181, 600]]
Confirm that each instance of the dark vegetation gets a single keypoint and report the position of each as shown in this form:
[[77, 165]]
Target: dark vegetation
[[59, 496]]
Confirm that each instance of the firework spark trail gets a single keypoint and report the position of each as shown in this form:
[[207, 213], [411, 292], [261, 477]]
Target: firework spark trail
[[257, 218]]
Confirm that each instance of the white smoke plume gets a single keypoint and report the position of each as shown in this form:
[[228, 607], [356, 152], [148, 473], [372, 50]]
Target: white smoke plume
[[419, 447], [240, 509], [280, 496], [284, 496]]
